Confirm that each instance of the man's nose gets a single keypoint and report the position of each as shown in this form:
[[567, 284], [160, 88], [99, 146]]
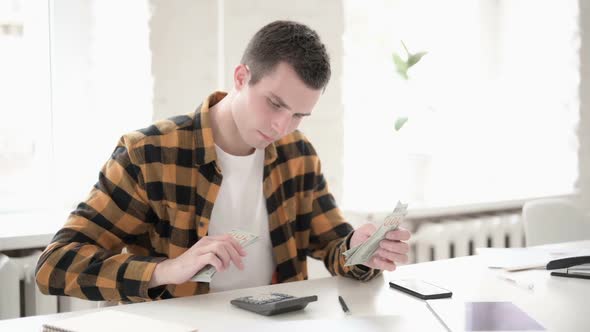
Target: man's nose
[[281, 123]]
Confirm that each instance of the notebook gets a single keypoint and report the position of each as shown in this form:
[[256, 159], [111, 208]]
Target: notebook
[[113, 321], [578, 271], [456, 315], [515, 259]]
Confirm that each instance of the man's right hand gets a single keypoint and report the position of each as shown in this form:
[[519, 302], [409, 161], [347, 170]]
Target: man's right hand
[[218, 250]]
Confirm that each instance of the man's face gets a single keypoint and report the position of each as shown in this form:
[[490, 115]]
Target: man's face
[[271, 108]]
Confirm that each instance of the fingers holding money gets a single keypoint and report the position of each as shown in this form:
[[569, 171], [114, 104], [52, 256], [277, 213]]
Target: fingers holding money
[[226, 248], [228, 238], [395, 246], [381, 263], [400, 234], [361, 234], [395, 251], [395, 257], [226, 251], [386, 260], [213, 260], [232, 249]]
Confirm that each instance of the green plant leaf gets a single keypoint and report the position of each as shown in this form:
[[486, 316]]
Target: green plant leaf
[[414, 58], [399, 122], [400, 65]]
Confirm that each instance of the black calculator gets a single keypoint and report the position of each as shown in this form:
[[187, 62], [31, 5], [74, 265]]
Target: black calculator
[[273, 303]]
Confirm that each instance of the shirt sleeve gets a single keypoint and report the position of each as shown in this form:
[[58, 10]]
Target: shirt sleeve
[[330, 234], [85, 259]]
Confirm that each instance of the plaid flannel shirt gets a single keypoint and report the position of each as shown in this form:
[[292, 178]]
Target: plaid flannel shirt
[[154, 197]]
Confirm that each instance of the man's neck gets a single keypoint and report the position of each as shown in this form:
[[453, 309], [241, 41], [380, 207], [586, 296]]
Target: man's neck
[[225, 131]]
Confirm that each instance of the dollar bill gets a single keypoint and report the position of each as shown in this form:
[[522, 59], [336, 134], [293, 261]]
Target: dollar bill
[[244, 239], [350, 251], [362, 253]]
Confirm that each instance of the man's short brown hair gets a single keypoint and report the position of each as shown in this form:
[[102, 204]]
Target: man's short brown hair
[[293, 43]]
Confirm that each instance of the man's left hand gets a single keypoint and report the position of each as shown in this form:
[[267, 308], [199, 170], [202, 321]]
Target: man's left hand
[[392, 250]]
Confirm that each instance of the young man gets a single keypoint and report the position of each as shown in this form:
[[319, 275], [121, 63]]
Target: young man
[[171, 192]]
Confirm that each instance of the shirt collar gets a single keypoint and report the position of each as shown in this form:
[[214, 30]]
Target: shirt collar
[[204, 143]]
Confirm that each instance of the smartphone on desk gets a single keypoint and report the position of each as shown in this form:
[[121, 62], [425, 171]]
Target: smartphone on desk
[[420, 289]]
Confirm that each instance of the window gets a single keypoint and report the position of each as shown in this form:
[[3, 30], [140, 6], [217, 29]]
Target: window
[[75, 77], [102, 87], [25, 115], [492, 107]]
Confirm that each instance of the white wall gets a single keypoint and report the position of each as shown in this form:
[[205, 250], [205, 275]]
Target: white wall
[[583, 182], [183, 42]]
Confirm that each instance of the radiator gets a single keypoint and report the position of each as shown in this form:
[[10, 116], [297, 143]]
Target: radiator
[[449, 238], [9, 281], [20, 296]]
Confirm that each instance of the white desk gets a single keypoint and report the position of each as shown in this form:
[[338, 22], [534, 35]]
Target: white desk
[[559, 304]]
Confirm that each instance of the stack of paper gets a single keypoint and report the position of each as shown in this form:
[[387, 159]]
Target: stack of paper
[[113, 321]]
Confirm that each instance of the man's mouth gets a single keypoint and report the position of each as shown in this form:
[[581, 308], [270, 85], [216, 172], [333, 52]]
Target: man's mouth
[[266, 138]]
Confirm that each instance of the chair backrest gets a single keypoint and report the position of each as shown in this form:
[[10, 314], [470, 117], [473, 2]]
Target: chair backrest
[[553, 220]]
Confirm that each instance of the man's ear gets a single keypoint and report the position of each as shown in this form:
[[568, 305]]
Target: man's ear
[[241, 76]]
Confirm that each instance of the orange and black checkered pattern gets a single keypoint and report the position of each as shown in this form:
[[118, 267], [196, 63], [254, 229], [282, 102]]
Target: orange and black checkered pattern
[[154, 198]]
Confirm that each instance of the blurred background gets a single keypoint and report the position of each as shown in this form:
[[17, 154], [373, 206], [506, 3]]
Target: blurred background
[[498, 109]]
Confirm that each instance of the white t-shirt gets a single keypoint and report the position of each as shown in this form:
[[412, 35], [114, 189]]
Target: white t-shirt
[[240, 204]]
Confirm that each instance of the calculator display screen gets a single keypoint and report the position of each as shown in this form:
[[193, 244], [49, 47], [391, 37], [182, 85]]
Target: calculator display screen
[[266, 297]]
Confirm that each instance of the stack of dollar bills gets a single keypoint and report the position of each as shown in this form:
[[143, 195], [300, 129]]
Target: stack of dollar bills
[[363, 253], [244, 239]]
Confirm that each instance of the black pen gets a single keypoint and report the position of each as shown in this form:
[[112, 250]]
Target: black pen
[[343, 305]]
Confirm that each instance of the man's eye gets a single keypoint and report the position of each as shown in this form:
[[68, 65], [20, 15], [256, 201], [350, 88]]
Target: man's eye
[[298, 116], [273, 104]]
